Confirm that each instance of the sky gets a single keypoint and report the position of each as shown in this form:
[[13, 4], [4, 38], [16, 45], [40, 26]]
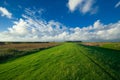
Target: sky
[[60, 20]]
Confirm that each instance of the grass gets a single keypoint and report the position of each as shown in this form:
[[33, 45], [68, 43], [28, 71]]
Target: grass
[[115, 46], [13, 50], [69, 61], [109, 45], [107, 59], [26, 46]]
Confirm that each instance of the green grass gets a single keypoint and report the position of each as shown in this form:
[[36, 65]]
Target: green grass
[[108, 59], [13, 50], [115, 46], [65, 62], [108, 45]]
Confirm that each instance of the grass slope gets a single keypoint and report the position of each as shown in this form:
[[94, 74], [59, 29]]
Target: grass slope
[[115, 45], [18, 49], [65, 62]]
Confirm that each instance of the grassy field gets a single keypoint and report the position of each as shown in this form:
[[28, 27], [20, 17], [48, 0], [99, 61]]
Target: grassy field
[[109, 45], [11, 50], [69, 61]]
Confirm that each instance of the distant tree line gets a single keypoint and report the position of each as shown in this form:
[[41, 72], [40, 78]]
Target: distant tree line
[[74, 41], [2, 43]]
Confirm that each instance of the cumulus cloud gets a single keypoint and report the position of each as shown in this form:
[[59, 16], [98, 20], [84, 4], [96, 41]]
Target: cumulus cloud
[[117, 5], [85, 6], [98, 32], [33, 29], [5, 12], [29, 28]]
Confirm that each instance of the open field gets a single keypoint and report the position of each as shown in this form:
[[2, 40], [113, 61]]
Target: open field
[[11, 50], [69, 61], [109, 45]]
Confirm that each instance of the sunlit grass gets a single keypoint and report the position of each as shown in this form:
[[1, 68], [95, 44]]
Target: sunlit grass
[[69, 61]]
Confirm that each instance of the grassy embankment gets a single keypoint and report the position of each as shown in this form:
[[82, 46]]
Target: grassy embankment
[[12, 50], [69, 61], [108, 45]]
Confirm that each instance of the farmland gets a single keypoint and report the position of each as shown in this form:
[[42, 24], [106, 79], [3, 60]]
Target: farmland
[[10, 50], [108, 45], [68, 61]]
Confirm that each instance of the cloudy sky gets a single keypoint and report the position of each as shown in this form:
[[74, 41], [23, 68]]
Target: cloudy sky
[[60, 20]]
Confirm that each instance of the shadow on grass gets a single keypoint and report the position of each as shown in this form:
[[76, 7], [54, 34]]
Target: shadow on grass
[[101, 49], [108, 57]]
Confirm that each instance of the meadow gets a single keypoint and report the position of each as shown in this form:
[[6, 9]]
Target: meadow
[[108, 45], [68, 61], [11, 50]]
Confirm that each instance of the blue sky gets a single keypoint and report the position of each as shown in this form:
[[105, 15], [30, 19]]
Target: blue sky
[[71, 16]]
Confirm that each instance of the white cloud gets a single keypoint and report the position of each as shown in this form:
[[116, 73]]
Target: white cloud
[[19, 28], [30, 28], [72, 4], [117, 5], [33, 12], [85, 6], [5, 12]]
